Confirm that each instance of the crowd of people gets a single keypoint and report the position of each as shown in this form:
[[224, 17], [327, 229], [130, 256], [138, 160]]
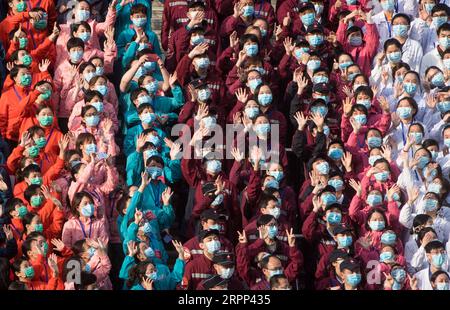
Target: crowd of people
[[107, 180]]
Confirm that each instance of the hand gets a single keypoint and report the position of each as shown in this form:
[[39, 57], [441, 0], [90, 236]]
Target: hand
[[242, 56], [198, 135], [3, 186], [347, 161], [288, 46], [332, 38], [197, 18], [143, 59], [398, 90], [389, 281], [166, 195], [386, 152], [138, 217], [175, 150], [356, 185], [192, 92], [263, 234], [107, 125], [237, 118], [290, 237], [305, 58], [256, 156], [429, 236], [319, 120], [237, 9], [302, 83], [18, 32], [220, 185], [413, 194], [241, 95], [246, 121], [173, 78], [337, 4], [384, 76], [46, 192], [234, 40], [8, 232], [355, 125], [301, 120], [198, 50], [394, 189], [145, 179], [43, 66], [35, 15], [316, 203], [413, 283], [202, 112], [132, 248], [54, 34], [347, 106], [384, 104], [348, 92], [52, 262], [112, 5], [374, 90], [380, 57], [287, 20], [313, 178], [9, 65], [238, 156], [179, 248], [242, 237], [58, 244], [147, 284], [140, 142], [278, 31], [431, 101]]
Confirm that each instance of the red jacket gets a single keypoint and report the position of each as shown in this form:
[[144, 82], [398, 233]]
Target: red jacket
[[192, 245], [197, 270]]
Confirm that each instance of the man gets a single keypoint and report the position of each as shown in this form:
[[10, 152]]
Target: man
[[280, 282], [224, 266], [215, 283], [437, 259], [435, 56]]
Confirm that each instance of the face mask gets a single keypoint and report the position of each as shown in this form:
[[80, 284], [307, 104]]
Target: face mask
[[388, 238], [435, 188], [76, 56], [374, 200], [444, 43], [328, 199], [399, 275], [388, 5], [278, 175], [39, 228], [422, 162], [272, 184], [261, 70], [320, 79], [334, 218], [102, 89], [438, 260], [429, 205], [139, 22], [298, 53], [152, 276], [272, 231], [155, 140], [443, 106], [226, 273], [152, 87], [447, 142], [99, 70], [144, 99], [351, 76], [254, 83], [203, 63], [382, 176], [204, 94], [345, 242], [98, 106], [91, 252], [410, 88], [432, 173], [83, 15], [85, 36], [154, 172], [150, 153], [308, 19], [438, 80], [140, 72], [365, 102], [25, 80], [263, 32], [322, 110], [360, 119], [29, 271], [26, 60], [345, 65], [315, 40], [386, 256], [22, 211], [400, 30], [323, 168], [373, 159], [251, 50], [262, 129], [147, 229], [213, 166], [335, 153], [41, 142], [33, 151], [418, 136], [217, 201], [438, 21], [91, 148], [374, 142], [87, 210], [275, 212], [36, 181], [355, 41], [212, 246], [148, 118], [196, 40], [376, 225], [442, 286], [338, 184], [434, 155], [150, 66], [23, 42], [36, 201], [92, 120], [248, 11], [404, 112], [353, 279], [428, 7], [326, 130], [252, 112], [265, 99], [313, 64], [209, 122], [46, 95]]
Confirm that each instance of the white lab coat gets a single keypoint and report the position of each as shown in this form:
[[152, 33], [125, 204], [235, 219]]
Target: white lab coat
[[412, 54], [425, 34], [423, 279], [431, 58]]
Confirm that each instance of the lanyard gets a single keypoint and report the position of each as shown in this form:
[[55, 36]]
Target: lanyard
[[82, 228], [388, 24], [258, 14], [17, 94], [403, 134], [157, 197], [49, 136]]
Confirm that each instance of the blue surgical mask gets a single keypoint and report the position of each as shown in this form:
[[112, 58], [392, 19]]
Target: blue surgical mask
[[209, 122], [149, 253], [353, 279], [144, 99], [155, 140], [374, 142], [374, 200], [429, 7], [438, 79], [154, 172], [355, 41], [334, 218], [92, 120], [278, 175], [320, 79], [386, 256], [313, 64], [262, 129], [337, 184], [404, 112], [373, 159], [382, 176], [197, 40], [98, 106], [438, 260], [399, 275], [376, 225], [212, 246], [323, 168], [254, 83], [315, 40], [418, 136], [248, 11], [218, 200], [365, 102], [83, 15], [388, 5], [351, 76], [438, 21], [139, 22], [76, 56], [400, 30], [152, 87], [148, 118], [335, 153], [322, 110], [99, 70], [410, 88], [435, 188], [328, 199], [251, 49], [252, 112], [307, 19], [423, 161], [360, 119], [345, 65], [87, 210], [102, 89], [265, 99], [444, 43], [345, 241], [388, 238], [318, 8], [91, 148], [272, 184], [442, 286], [394, 57], [430, 205], [203, 63], [204, 94], [447, 142], [85, 36], [272, 231], [213, 166]]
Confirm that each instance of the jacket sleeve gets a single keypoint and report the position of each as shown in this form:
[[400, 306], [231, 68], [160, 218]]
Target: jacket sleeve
[[296, 262], [355, 212], [310, 226]]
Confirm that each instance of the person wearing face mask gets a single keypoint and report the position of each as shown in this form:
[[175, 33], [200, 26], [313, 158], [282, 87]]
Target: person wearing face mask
[[351, 275], [362, 49], [436, 257], [440, 280], [397, 279], [333, 279], [224, 265], [243, 15], [209, 219], [418, 258], [435, 56], [420, 28]]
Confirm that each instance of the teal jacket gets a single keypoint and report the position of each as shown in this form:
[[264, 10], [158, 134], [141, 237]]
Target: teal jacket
[[135, 166], [123, 19], [130, 54], [166, 280], [129, 143], [126, 36]]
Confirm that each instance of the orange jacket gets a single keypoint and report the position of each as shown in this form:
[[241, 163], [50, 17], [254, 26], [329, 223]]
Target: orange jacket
[[10, 23], [44, 160], [52, 219], [17, 229], [44, 49], [52, 134], [43, 276], [35, 77]]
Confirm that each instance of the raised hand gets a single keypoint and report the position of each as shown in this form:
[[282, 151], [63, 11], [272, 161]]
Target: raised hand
[[242, 237], [394, 189], [347, 106], [173, 78], [386, 152], [147, 284], [290, 237], [8, 232], [318, 119], [238, 156], [431, 101], [316, 203], [348, 92], [166, 195], [179, 248], [301, 120], [413, 194], [356, 185], [288, 46], [263, 234], [140, 142], [347, 161], [138, 216], [43, 65], [220, 185], [52, 262], [132, 248], [202, 112], [389, 280], [384, 104], [242, 95], [198, 50], [58, 244], [234, 40], [287, 20], [278, 31], [355, 125], [175, 150]]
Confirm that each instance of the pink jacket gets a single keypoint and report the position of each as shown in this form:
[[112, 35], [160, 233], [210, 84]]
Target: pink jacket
[[101, 266], [93, 228], [381, 122], [108, 112], [105, 140]]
